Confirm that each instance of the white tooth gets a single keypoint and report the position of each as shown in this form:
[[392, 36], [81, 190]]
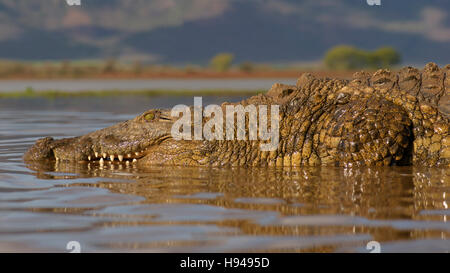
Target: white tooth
[[136, 153], [128, 155], [104, 155], [127, 162], [120, 158], [111, 157], [101, 161], [96, 154], [89, 158], [134, 160]]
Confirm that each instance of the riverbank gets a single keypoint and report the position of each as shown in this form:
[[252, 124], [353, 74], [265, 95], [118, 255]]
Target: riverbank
[[211, 83], [116, 93], [33, 87], [180, 74]]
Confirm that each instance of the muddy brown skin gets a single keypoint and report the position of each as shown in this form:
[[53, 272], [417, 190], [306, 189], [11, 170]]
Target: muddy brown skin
[[381, 119]]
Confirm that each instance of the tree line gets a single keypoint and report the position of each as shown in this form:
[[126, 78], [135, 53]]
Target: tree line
[[346, 57]]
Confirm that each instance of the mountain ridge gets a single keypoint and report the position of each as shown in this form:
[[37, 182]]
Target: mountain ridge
[[192, 31]]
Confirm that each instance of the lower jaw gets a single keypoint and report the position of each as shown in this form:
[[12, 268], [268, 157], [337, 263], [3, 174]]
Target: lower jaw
[[113, 159], [103, 158], [125, 158], [102, 161]]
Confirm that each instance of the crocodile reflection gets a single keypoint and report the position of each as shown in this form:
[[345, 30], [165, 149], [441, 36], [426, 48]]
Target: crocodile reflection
[[383, 192], [387, 194]]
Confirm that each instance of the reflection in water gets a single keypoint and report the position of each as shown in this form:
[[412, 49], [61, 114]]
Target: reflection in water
[[119, 208], [337, 209]]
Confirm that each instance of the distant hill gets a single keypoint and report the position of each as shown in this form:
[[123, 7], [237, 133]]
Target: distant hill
[[192, 31]]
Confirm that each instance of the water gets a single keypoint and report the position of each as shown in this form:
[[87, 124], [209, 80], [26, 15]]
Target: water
[[179, 209], [144, 84]]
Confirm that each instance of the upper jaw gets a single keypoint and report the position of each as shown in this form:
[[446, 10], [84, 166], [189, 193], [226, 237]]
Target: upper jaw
[[102, 145], [124, 150], [122, 142], [126, 141]]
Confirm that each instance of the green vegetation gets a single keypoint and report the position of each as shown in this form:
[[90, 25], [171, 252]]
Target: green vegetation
[[349, 58], [338, 58], [247, 67], [222, 62], [110, 66], [385, 57]]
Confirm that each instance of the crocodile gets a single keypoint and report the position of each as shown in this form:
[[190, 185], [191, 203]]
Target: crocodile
[[380, 119]]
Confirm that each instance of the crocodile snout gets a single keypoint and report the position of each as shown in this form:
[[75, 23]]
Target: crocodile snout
[[41, 150]]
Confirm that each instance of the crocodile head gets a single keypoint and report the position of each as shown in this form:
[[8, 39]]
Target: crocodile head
[[127, 141]]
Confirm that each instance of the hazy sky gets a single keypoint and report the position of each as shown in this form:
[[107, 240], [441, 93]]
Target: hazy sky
[[126, 27]]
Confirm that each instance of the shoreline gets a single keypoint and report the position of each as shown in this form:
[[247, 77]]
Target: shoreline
[[117, 93], [172, 83], [136, 85], [185, 75]]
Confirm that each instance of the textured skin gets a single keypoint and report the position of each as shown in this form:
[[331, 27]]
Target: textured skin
[[381, 119]]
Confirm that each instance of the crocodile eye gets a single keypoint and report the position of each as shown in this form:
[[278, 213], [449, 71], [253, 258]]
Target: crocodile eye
[[149, 117]]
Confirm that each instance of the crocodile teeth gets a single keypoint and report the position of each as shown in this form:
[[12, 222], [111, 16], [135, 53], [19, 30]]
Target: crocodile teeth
[[120, 158], [101, 161], [136, 153], [128, 155], [134, 160], [104, 155], [127, 162], [89, 158], [111, 157], [96, 154]]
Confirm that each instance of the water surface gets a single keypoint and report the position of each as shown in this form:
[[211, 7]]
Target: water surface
[[142, 84], [118, 208]]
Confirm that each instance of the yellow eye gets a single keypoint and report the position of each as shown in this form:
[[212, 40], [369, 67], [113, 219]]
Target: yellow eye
[[149, 117]]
